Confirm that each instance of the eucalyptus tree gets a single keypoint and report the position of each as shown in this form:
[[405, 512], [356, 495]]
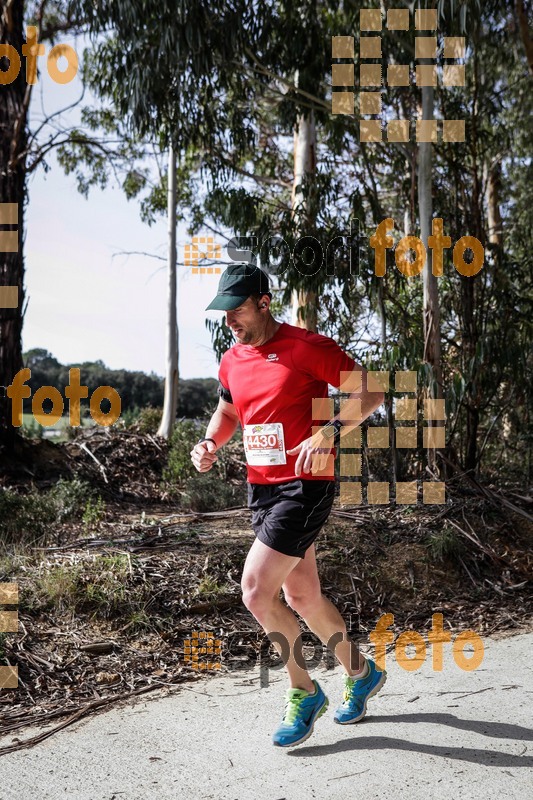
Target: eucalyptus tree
[[21, 152], [169, 71]]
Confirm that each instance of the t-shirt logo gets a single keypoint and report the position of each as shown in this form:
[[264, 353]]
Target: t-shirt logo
[[272, 357]]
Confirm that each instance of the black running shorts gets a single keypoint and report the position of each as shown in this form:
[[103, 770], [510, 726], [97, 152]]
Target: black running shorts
[[288, 516]]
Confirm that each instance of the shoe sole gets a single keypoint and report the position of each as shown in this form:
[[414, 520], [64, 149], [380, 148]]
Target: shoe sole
[[375, 690], [322, 710]]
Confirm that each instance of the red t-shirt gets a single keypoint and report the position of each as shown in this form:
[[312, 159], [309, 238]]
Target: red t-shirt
[[277, 382]]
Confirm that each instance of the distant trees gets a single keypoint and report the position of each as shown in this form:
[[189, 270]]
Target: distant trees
[[136, 389]]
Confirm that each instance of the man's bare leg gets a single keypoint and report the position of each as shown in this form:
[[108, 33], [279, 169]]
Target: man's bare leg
[[302, 592], [264, 572]]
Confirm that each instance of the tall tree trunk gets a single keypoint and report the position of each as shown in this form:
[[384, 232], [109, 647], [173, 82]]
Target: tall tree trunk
[[494, 217], [523, 27], [469, 294], [170, 404], [13, 140], [304, 303], [431, 310]]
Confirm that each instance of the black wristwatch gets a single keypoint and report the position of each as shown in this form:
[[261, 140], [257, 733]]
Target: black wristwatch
[[332, 430], [208, 439]]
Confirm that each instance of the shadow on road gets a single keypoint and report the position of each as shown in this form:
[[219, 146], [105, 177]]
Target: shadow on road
[[490, 758], [499, 730]]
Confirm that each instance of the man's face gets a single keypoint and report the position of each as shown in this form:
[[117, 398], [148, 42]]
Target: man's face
[[246, 321]]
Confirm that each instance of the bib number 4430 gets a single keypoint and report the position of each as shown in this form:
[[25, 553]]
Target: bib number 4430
[[263, 440]]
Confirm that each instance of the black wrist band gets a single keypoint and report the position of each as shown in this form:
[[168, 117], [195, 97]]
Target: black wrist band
[[208, 439], [336, 424]]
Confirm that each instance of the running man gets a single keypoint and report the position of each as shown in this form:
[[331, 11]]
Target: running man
[[267, 382]]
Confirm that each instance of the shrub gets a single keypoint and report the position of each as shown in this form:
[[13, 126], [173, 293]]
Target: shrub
[[179, 467], [208, 491], [445, 543], [94, 512], [148, 420], [70, 498], [27, 517]]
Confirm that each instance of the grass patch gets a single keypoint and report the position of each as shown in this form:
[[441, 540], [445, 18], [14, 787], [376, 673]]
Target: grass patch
[[102, 586], [210, 587], [28, 518], [209, 491], [444, 544]]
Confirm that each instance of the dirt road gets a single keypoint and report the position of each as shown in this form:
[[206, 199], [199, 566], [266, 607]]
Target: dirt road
[[440, 734]]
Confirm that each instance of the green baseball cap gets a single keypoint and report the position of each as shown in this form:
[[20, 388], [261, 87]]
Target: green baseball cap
[[236, 285]]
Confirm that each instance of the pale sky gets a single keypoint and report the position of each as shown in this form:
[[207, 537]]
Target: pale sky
[[86, 305]]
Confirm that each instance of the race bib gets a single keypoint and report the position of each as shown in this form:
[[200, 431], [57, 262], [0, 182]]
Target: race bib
[[264, 445]]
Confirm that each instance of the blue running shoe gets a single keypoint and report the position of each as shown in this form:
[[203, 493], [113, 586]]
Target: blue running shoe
[[301, 711], [357, 694]]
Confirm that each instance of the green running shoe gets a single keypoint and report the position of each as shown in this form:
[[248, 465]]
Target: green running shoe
[[357, 694], [301, 711]]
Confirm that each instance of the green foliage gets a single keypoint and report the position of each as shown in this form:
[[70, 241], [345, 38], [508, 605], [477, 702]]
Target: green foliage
[[179, 467], [149, 419], [197, 396], [70, 498], [231, 83], [102, 586], [25, 517], [445, 543], [94, 512], [207, 491], [30, 517], [32, 429]]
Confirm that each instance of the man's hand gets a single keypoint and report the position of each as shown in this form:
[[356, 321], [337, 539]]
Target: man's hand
[[203, 456], [312, 454]]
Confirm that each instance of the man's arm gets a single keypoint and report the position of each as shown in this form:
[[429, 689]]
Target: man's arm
[[223, 423], [321, 445], [370, 401], [221, 428]]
